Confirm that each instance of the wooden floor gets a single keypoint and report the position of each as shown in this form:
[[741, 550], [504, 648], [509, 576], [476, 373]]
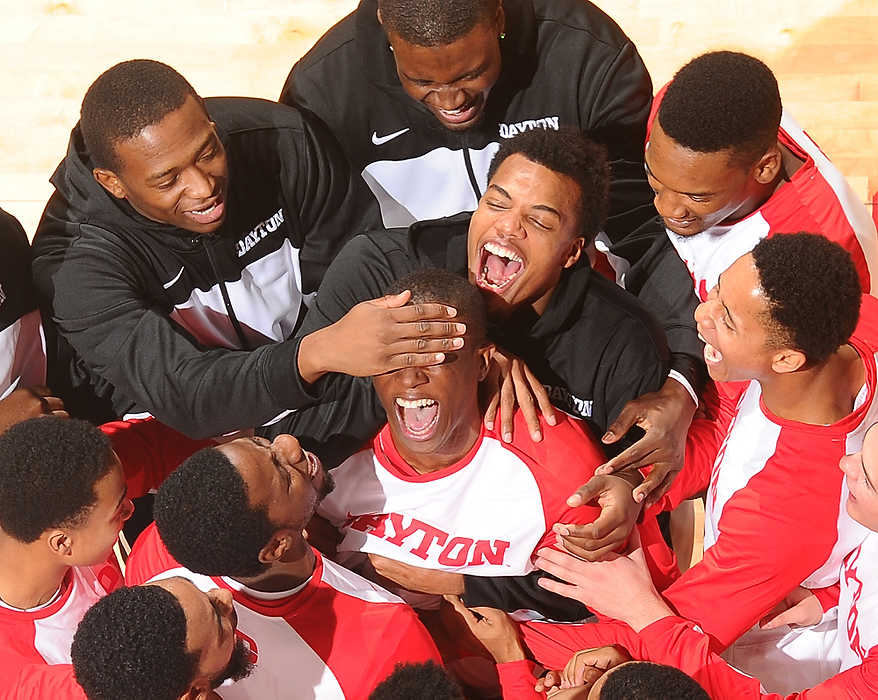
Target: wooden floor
[[825, 53]]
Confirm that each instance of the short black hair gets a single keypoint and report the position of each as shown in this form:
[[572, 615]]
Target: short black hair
[[126, 99], [434, 285], [644, 680], [132, 644], [434, 22], [204, 517], [723, 100], [567, 152], [426, 680], [48, 470], [813, 292]]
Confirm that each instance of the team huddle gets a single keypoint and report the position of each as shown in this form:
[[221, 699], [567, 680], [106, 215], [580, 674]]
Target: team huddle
[[415, 363]]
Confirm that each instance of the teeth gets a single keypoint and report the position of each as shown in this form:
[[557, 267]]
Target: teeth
[[414, 403], [711, 354], [206, 210], [502, 251]]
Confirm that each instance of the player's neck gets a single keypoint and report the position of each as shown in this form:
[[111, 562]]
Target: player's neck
[[27, 579], [820, 395], [293, 569]]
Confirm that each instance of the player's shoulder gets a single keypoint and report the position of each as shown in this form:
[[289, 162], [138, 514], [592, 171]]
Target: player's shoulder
[[148, 557], [867, 326], [336, 44], [578, 17], [236, 116], [568, 451]]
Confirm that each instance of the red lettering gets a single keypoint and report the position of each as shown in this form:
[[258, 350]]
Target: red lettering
[[431, 534], [483, 551], [402, 531], [445, 558], [373, 523]]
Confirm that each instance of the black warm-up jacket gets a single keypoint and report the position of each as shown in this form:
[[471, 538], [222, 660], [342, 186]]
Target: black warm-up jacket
[[565, 64], [196, 330]]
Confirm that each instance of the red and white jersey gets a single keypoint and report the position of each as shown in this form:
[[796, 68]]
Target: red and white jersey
[[484, 515], [337, 636], [858, 604], [774, 518], [816, 199], [35, 644], [680, 643]]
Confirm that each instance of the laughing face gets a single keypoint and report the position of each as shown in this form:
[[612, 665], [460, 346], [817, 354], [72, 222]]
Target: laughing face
[[695, 191], [433, 412], [733, 324], [281, 476], [523, 234], [174, 172], [452, 80], [861, 473]]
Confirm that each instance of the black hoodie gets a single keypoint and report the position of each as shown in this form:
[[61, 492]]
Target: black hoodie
[[565, 63], [194, 329]]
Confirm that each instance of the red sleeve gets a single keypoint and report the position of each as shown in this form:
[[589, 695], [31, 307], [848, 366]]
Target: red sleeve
[[676, 642], [404, 640], [38, 681], [750, 569], [828, 597], [563, 461], [552, 644], [148, 558], [702, 446], [149, 451], [517, 681]]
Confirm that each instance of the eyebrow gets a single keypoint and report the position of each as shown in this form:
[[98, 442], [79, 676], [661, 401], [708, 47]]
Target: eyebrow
[[164, 173], [728, 313], [478, 70], [688, 194], [540, 207]]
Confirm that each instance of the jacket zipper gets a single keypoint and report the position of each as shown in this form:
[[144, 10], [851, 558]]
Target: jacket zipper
[[471, 173], [225, 292]]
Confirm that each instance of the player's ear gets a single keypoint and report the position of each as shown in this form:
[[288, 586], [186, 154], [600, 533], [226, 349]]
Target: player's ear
[[279, 543], [575, 251], [485, 352], [768, 166], [110, 182], [60, 543], [787, 360], [378, 15]]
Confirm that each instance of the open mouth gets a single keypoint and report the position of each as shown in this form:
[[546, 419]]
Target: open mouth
[[711, 355], [418, 417], [499, 266], [314, 466], [209, 213], [466, 112]]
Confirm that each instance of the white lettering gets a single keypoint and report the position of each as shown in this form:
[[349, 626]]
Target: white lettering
[[260, 231]]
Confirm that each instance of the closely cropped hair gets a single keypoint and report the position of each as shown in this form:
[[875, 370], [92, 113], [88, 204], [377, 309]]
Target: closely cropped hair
[[434, 22], [649, 681], [426, 680], [723, 100], [567, 152], [205, 519], [48, 471], [431, 285], [813, 292], [126, 99], [132, 644]]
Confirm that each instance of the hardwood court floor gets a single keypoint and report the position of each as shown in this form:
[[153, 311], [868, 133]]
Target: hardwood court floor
[[825, 53]]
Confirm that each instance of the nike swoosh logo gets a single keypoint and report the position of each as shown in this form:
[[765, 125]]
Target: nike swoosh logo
[[379, 140], [168, 285]]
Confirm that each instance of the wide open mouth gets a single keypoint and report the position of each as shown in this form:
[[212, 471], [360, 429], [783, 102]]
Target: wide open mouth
[[499, 266], [418, 417]]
